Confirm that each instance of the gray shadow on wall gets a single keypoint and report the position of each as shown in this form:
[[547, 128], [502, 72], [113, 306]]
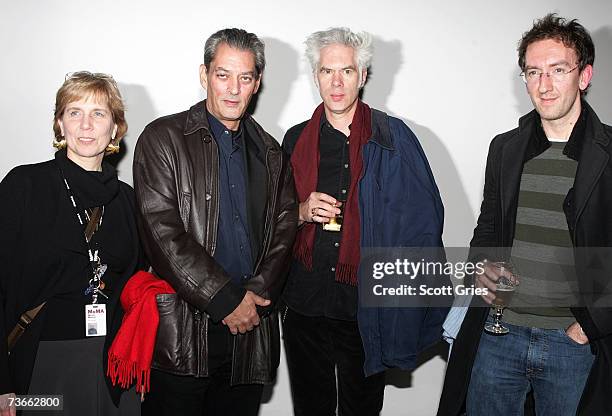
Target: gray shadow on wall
[[601, 85], [403, 379], [139, 112], [280, 74], [459, 218], [523, 102], [269, 102]]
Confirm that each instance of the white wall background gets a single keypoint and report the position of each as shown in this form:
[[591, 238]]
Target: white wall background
[[447, 68]]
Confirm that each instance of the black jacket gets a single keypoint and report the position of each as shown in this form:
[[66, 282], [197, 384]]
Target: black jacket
[[588, 209], [176, 169], [32, 240]]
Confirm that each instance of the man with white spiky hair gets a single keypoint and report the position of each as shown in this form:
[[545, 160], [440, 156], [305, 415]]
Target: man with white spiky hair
[[362, 181]]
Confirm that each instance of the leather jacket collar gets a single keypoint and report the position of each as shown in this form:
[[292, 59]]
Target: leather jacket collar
[[197, 119]]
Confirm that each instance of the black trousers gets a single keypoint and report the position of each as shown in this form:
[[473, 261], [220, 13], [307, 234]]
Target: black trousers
[[173, 395], [322, 353]]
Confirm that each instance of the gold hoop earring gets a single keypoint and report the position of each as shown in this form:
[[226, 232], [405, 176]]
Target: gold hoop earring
[[59, 144], [112, 148]]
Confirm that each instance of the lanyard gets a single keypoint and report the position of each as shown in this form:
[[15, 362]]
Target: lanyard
[[98, 269]]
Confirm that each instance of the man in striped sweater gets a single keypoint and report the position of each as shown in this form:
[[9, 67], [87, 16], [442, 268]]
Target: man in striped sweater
[[548, 186]]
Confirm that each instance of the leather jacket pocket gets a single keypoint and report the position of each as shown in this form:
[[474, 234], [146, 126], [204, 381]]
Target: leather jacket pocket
[[185, 209], [257, 353], [174, 344]]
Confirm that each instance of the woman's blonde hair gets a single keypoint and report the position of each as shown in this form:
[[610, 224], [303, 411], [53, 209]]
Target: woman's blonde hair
[[103, 88]]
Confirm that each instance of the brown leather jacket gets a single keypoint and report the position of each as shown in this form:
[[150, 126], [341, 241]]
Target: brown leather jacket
[[176, 178]]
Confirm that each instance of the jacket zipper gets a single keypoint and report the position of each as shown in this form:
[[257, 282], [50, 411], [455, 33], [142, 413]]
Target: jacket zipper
[[197, 318]]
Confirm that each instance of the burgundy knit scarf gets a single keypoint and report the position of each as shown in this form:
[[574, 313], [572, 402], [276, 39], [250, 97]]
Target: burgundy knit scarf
[[305, 164]]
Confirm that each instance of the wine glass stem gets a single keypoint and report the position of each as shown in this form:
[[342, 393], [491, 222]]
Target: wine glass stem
[[499, 313]]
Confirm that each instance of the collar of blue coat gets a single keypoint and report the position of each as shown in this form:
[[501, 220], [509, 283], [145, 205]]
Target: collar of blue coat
[[381, 132]]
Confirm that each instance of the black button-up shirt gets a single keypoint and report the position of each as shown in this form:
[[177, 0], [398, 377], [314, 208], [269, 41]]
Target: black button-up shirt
[[233, 250], [316, 292]]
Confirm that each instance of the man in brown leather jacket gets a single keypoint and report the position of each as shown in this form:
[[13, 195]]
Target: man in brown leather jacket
[[218, 217]]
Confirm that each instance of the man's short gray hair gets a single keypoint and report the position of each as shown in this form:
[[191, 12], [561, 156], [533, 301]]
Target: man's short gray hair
[[361, 42], [239, 39]]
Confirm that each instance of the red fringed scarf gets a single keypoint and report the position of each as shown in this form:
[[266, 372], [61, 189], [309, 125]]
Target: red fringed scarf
[[305, 164], [131, 353]]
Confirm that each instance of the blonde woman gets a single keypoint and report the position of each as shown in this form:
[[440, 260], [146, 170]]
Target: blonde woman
[[68, 244]]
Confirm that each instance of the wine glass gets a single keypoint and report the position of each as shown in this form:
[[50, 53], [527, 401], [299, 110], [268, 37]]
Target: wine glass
[[505, 287], [335, 223]]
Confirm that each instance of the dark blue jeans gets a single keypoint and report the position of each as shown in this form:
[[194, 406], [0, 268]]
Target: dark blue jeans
[[544, 360]]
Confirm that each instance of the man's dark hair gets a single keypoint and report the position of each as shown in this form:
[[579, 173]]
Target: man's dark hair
[[571, 33], [239, 39]]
